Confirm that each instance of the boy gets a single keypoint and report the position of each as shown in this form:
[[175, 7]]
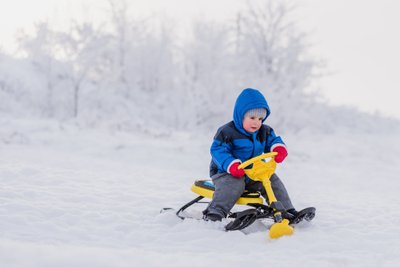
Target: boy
[[237, 141]]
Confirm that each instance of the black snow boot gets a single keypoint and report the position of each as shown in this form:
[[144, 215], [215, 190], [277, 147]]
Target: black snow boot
[[212, 217]]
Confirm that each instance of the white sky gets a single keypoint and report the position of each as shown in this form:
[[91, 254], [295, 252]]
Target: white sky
[[359, 39]]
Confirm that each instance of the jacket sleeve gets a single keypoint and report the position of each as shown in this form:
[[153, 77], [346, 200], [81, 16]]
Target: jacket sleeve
[[221, 151], [273, 141]]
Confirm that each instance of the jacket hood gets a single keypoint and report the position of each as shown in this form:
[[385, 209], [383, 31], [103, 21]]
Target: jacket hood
[[248, 99]]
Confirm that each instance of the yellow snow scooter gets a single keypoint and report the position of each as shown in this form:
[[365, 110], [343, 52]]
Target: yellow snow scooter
[[261, 171]]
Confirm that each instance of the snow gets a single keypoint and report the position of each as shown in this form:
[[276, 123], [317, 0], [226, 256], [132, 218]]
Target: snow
[[86, 197]]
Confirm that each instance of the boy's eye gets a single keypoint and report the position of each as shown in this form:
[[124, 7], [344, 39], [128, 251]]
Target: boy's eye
[[261, 118]]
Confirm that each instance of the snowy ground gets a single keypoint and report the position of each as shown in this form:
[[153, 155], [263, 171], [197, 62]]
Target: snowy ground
[[85, 198]]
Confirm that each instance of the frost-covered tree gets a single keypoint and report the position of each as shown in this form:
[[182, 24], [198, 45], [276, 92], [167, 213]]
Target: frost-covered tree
[[143, 66], [121, 28], [207, 74], [82, 50], [272, 55], [40, 52], [140, 68], [21, 88]]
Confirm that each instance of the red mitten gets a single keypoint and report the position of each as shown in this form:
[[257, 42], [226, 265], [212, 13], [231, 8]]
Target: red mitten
[[282, 153], [234, 171]]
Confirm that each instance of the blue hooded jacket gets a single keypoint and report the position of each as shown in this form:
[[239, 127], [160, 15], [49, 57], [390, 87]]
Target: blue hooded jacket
[[232, 143]]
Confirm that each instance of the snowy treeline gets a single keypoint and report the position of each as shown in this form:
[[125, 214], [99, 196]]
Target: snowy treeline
[[144, 74]]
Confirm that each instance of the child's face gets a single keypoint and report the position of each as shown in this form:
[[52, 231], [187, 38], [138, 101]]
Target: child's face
[[252, 124]]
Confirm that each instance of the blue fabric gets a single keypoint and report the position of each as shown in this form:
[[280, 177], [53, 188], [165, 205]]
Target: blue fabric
[[233, 142], [248, 99]]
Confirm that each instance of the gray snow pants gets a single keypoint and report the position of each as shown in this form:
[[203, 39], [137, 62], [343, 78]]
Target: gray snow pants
[[228, 189]]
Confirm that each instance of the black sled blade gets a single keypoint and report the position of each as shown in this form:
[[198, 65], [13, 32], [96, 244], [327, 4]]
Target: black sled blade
[[243, 219], [306, 214], [184, 207]]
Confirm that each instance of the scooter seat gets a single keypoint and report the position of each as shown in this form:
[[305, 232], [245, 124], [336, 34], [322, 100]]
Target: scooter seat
[[206, 189]]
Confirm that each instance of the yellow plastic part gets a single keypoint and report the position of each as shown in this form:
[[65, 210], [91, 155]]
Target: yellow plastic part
[[262, 171], [280, 229], [208, 193]]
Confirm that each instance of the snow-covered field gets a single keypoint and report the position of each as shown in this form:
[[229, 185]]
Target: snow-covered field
[[71, 197]]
